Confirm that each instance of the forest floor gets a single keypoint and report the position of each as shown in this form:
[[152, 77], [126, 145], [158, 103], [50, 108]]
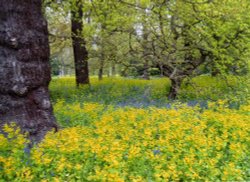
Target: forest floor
[[122, 129]]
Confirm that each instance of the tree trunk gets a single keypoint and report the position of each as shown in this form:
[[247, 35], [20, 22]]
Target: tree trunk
[[100, 73], [161, 70], [79, 45], [215, 72], [174, 89], [24, 68], [101, 66], [113, 70], [145, 75]]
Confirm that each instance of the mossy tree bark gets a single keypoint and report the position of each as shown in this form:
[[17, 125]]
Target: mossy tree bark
[[24, 68]]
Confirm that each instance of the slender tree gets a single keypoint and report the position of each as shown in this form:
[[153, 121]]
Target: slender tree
[[24, 68], [78, 42]]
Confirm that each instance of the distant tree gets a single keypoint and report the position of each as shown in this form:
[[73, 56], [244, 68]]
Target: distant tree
[[183, 36], [66, 19], [55, 67], [59, 26], [24, 68], [78, 42]]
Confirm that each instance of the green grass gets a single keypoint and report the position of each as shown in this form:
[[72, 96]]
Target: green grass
[[135, 92]]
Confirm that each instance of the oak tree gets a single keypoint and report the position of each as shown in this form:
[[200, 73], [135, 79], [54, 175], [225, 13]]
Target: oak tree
[[24, 68]]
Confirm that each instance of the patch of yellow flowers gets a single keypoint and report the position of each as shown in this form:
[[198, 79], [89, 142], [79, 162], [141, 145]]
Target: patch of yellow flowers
[[130, 144]]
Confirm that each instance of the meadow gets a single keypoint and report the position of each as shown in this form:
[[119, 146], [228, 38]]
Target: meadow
[[141, 93], [126, 130]]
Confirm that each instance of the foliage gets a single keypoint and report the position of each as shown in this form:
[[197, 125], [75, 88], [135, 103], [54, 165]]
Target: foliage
[[180, 38], [131, 144], [60, 40], [13, 155]]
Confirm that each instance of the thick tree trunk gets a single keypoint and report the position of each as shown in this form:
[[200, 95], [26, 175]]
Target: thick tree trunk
[[174, 89], [79, 45], [24, 68]]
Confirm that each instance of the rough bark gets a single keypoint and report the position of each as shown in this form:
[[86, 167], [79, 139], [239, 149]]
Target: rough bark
[[79, 45], [24, 68]]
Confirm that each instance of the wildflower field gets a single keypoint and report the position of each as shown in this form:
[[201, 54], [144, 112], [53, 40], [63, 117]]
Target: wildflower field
[[126, 130]]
